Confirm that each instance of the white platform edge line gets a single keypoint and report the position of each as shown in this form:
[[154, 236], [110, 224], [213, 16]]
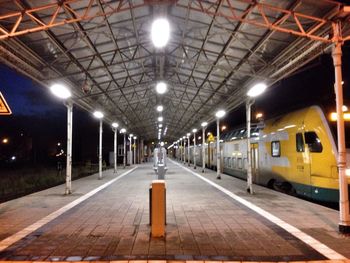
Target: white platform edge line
[[5, 243], [312, 242]]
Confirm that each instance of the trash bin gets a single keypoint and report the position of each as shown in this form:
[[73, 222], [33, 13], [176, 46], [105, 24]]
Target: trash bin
[[157, 207]]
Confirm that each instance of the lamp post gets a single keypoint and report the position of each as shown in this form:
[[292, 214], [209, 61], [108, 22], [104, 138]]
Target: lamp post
[[219, 114], [253, 92], [130, 149], [204, 125], [64, 93], [194, 148], [115, 129], [184, 151], [188, 149], [123, 131], [99, 115], [135, 149]]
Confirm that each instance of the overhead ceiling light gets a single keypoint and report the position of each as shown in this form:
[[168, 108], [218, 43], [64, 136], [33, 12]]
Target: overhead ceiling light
[[159, 130], [160, 125], [115, 125], [204, 124], [60, 91], [160, 108], [257, 89], [220, 113], [161, 87], [98, 114], [160, 119], [160, 32], [194, 130]]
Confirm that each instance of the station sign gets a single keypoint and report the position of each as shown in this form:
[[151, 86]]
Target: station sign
[[4, 107]]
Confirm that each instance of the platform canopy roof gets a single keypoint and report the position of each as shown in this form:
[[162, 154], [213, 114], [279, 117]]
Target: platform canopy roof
[[102, 50]]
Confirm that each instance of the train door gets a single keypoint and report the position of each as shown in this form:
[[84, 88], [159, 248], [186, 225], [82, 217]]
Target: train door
[[255, 161], [303, 166]]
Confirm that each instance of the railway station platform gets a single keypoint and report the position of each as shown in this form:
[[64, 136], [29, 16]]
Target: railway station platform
[[207, 220]]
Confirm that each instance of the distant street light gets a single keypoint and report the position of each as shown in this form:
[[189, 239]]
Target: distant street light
[[64, 93], [219, 114], [115, 129], [253, 92], [160, 118], [99, 115], [5, 140], [123, 131], [204, 126]]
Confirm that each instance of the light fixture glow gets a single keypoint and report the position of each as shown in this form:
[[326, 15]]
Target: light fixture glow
[[122, 130], [194, 130], [259, 115], [160, 119], [257, 89], [131, 135], [204, 124], [98, 114], [220, 113], [160, 32], [161, 87], [135, 137], [344, 108], [188, 134], [160, 125], [115, 125], [160, 108], [60, 91]]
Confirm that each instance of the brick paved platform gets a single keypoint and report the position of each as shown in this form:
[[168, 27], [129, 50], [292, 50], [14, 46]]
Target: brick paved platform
[[203, 223]]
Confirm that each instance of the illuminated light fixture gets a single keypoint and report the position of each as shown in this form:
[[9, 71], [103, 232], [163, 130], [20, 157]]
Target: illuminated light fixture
[[58, 144], [98, 114], [131, 135], [160, 130], [344, 108], [122, 130], [5, 140], [160, 125], [220, 113], [161, 87], [256, 90], [161, 143], [160, 32], [194, 130], [333, 116], [183, 137], [160, 108], [135, 137], [223, 128], [290, 126], [204, 124], [258, 115], [188, 134], [347, 172], [60, 91], [160, 119], [115, 125]]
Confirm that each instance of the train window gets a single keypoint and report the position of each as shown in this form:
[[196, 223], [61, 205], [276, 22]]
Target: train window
[[313, 142], [233, 162], [300, 142], [275, 149], [229, 162]]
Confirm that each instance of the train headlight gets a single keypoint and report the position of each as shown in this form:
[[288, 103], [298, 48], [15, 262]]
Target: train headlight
[[347, 172]]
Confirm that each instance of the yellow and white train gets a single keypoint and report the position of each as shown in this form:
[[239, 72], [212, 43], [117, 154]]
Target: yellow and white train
[[295, 153]]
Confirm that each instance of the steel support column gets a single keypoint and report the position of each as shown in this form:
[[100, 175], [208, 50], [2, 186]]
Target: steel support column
[[188, 151], [115, 149], [218, 157], [68, 189], [100, 153], [135, 149], [344, 224], [124, 155], [194, 150], [130, 149], [249, 104], [203, 149]]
